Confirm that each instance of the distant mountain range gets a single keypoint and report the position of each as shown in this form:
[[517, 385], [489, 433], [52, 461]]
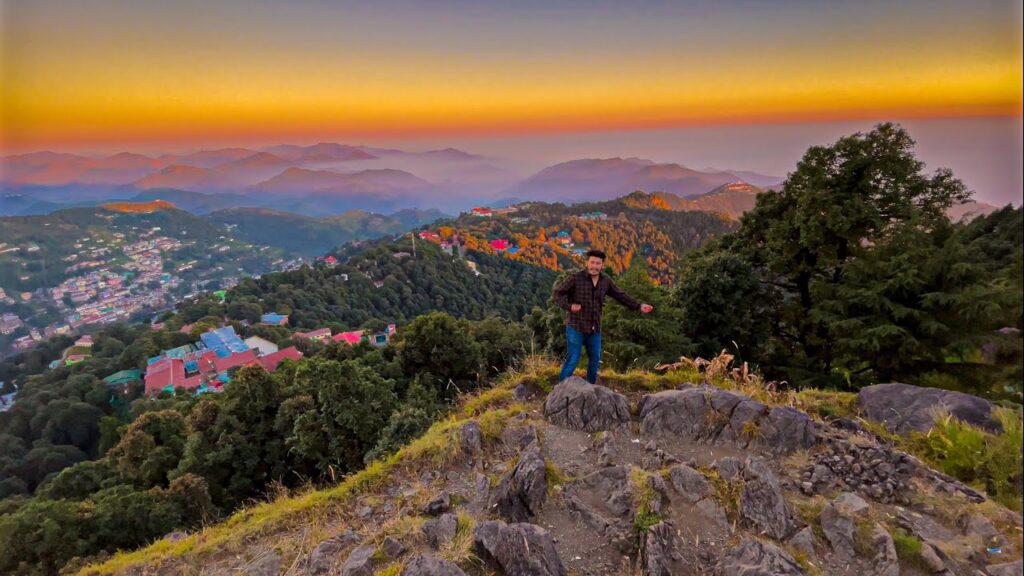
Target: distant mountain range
[[607, 178], [329, 178]]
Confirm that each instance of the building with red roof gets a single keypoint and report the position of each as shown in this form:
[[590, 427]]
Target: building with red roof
[[270, 361], [351, 338]]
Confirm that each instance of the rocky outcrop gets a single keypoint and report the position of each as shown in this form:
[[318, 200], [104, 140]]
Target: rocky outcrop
[[877, 472], [689, 483], [431, 566], [757, 558], [326, 553], [709, 414], [575, 403], [762, 505], [904, 408], [523, 491], [471, 438], [360, 562], [517, 549], [658, 555], [884, 562], [839, 522], [440, 531]]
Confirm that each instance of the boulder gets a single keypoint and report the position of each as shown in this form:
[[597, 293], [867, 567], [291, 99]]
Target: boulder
[[587, 515], [658, 553], [439, 505], [885, 562], [689, 483], [326, 553], [611, 484], [903, 407], [708, 414], [360, 562], [471, 438], [757, 558], [522, 492], [392, 547], [440, 531], [762, 505], [839, 522], [517, 549], [803, 542], [575, 403], [431, 566]]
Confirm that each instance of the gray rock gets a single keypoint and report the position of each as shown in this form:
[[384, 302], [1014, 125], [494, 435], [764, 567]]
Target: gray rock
[[612, 484], [1005, 569], [803, 542], [932, 559], [903, 407], [658, 550], [714, 513], [440, 531], [839, 522], [522, 492], [657, 485], [439, 505], [708, 414], [977, 524], [689, 483], [575, 403], [587, 515], [392, 547], [787, 429], [728, 467], [360, 562], [431, 566], [885, 561], [326, 553], [519, 437], [364, 511], [762, 505], [471, 439], [757, 558], [517, 549], [268, 565]]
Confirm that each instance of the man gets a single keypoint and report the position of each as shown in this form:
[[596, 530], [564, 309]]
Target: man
[[582, 295]]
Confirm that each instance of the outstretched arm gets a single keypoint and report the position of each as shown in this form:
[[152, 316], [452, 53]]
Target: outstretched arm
[[620, 295]]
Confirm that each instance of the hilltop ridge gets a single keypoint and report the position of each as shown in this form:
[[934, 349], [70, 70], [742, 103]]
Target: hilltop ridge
[[681, 473]]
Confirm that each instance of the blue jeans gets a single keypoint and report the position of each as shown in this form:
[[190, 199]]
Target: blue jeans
[[576, 340]]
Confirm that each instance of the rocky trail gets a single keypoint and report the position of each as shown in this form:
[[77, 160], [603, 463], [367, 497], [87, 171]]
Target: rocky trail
[[588, 481]]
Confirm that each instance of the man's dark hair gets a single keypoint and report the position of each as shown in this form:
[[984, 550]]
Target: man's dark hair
[[596, 253]]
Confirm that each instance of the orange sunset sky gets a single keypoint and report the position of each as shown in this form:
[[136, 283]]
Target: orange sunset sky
[[81, 73]]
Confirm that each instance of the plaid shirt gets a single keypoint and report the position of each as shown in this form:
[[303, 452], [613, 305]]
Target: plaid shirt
[[580, 289]]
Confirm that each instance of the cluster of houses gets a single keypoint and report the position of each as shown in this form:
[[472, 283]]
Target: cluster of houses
[[485, 212], [324, 336], [203, 366], [9, 322]]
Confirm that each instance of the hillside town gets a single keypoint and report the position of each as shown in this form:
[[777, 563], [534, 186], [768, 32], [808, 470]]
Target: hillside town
[[111, 279]]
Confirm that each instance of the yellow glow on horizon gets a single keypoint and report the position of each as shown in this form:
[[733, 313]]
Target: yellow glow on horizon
[[103, 96]]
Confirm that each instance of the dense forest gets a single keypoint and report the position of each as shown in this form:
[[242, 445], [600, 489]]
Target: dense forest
[[637, 225], [113, 470], [307, 236]]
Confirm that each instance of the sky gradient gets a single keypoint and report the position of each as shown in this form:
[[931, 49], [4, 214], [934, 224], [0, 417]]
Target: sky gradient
[[102, 71]]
